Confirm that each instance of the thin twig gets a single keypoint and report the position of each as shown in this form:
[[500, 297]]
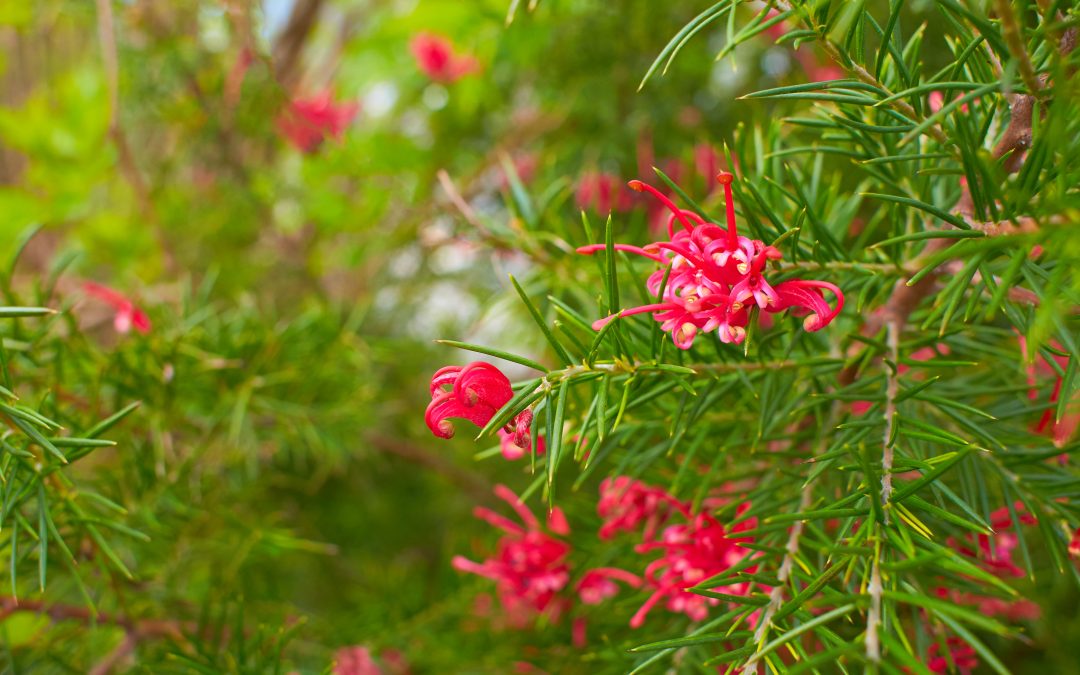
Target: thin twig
[[1010, 26], [892, 390], [776, 595], [873, 617]]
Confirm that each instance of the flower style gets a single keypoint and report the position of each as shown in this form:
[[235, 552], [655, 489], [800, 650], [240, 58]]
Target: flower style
[[435, 56], [475, 393], [127, 315], [529, 566], [715, 278], [626, 503], [692, 553], [307, 122]]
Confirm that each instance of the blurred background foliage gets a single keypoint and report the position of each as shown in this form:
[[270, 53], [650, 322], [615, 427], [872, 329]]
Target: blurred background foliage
[[275, 494]]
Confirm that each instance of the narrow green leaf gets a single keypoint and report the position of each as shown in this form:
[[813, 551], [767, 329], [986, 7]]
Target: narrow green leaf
[[497, 353]]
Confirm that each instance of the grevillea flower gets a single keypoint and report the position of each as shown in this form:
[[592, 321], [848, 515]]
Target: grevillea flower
[[602, 193], [1074, 544], [599, 584], [307, 122], [475, 393], [994, 551], [961, 655], [692, 552], [529, 566], [626, 503], [355, 661], [127, 315], [1061, 431], [508, 440], [716, 278], [435, 56], [1012, 610]]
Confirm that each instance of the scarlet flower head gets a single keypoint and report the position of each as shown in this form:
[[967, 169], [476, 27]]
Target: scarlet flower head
[[692, 553], [715, 277], [308, 121], [529, 566], [127, 315], [435, 56], [626, 503], [475, 393]]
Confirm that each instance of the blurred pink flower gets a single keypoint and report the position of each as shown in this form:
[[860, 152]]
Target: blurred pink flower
[[599, 584], [602, 193], [307, 122], [994, 551], [1060, 430], [127, 315], [529, 566], [961, 655], [355, 661], [435, 56], [626, 503], [692, 553]]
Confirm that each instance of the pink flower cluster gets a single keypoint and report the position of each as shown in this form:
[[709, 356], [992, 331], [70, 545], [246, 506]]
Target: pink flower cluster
[[531, 570], [308, 121], [603, 192], [475, 393], [126, 315], [357, 660], [692, 552], [994, 553], [529, 566], [626, 503], [1063, 430], [435, 56], [961, 655], [715, 278]]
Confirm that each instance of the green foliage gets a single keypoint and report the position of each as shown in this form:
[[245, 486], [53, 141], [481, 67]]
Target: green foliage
[[248, 486]]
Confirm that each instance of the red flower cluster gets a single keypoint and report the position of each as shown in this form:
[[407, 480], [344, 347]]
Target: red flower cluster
[[603, 193], [714, 278], [127, 315], [995, 554], [309, 121], [961, 654], [435, 56], [692, 553], [475, 393], [1060, 430], [626, 503], [995, 550], [529, 566], [693, 550]]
